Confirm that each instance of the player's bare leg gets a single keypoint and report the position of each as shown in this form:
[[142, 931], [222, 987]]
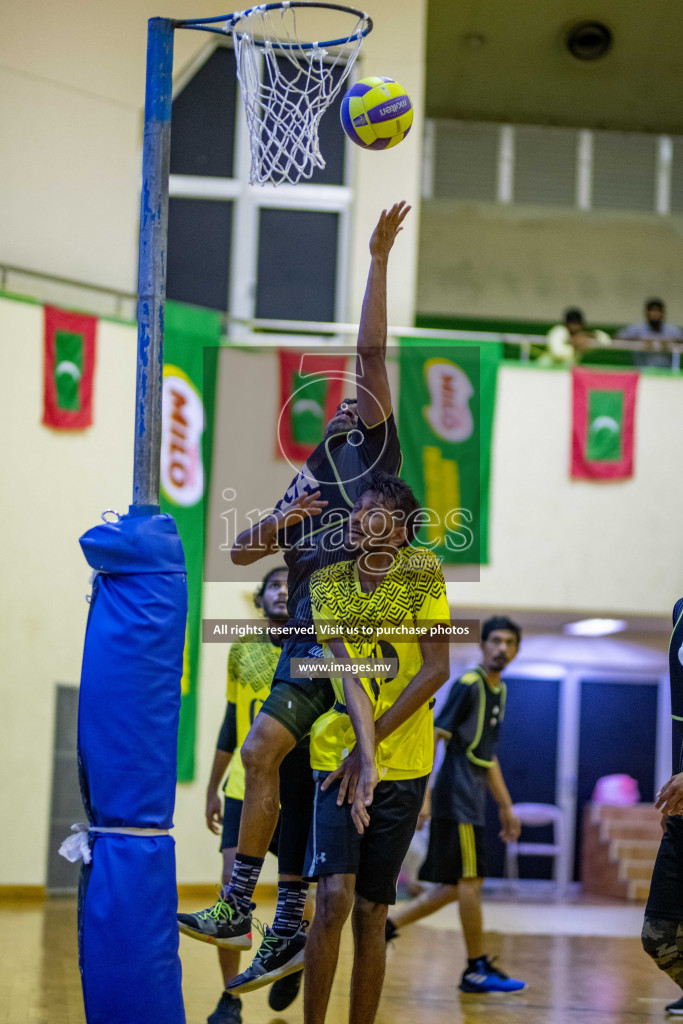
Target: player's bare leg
[[333, 906], [471, 916], [369, 959], [428, 902], [263, 751]]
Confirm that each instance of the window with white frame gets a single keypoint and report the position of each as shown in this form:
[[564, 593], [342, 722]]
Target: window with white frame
[[251, 251]]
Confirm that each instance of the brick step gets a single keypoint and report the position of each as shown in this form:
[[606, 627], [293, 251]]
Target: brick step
[[610, 830], [634, 812], [619, 849], [638, 891], [628, 849], [635, 870]]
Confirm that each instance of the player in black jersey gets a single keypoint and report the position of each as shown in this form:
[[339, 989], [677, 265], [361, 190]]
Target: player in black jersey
[[308, 523], [469, 722], [662, 935]]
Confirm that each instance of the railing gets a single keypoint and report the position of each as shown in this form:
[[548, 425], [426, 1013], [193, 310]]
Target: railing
[[281, 332]]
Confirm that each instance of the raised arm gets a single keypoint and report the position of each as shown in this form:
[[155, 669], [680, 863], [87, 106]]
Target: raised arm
[[374, 396], [261, 539]]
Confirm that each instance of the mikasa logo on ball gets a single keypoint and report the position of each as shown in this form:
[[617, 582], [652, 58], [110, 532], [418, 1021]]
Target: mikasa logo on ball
[[182, 425]]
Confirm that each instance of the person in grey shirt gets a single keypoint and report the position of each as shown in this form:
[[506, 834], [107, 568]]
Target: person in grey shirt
[[654, 328]]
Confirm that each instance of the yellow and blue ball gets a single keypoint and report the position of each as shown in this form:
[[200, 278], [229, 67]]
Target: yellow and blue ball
[[376, 113]]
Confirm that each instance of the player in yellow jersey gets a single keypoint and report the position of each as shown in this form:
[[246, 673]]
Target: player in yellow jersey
[[355, 850], [251, 665]]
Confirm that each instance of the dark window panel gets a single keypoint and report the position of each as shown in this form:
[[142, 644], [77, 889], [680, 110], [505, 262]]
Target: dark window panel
[[330, 133], [297, 265], [199, 234], [203, 119]]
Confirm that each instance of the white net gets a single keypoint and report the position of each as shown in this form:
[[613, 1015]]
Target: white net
[[287, 85]]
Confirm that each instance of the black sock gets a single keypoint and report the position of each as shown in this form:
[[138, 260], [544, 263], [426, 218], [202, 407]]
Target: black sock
[[291, 900], [245, 875]]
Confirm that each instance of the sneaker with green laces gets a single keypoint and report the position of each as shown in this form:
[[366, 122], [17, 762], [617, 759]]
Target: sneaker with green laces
[[277, 956], [223, 924]]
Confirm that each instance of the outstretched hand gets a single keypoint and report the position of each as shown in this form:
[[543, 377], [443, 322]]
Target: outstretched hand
[[304, 507], [388, 226]]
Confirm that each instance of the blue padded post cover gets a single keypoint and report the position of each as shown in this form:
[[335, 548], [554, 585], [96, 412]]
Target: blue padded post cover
[[127, 747]]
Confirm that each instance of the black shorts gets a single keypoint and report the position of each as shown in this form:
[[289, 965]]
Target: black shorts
[[375, 858], [666, 889], [455, 851], [297, 703], [232, 812]]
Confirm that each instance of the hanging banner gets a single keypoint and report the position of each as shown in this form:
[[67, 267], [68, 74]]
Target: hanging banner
[[603, 418], [446, 403], [68, 369], [191, 339], [311, 388]]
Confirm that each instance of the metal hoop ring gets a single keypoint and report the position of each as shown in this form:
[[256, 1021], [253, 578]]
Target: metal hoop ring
[[232, 20]]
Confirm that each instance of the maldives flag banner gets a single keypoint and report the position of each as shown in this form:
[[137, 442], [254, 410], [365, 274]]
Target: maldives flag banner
[[603, 418], [68, 369], [311, 388]]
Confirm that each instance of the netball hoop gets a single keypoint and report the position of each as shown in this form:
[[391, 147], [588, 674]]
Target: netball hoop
[[292, 60]]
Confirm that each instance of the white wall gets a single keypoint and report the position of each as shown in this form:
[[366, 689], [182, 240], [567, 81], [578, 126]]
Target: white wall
[[527, 262], [54, 487], [555, 544], [72, 86]]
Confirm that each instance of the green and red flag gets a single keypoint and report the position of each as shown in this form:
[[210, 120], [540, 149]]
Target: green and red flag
[[311, 388], [445, 423], [68, 369], [602, 424]]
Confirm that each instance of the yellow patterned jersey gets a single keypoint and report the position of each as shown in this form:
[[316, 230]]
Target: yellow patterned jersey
[[413, 590], [251, 665]]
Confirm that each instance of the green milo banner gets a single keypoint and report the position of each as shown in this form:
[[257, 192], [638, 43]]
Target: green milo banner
[[191, 339], [446, 403]]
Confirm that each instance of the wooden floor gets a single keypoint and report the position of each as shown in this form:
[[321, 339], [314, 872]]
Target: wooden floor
[[572, 979]]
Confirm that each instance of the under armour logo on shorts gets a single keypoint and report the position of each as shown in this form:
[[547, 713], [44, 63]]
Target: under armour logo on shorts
[[320, 858]]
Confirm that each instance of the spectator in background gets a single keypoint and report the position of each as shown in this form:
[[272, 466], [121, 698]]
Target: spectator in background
[[654, 330], [569, 340]]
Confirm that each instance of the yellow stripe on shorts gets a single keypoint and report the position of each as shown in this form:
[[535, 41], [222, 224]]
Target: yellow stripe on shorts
[[468, 851]]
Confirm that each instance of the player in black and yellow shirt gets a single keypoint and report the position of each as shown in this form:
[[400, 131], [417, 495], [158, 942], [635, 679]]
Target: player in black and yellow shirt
[[355, 850], [469, 722], [663, 924], [308, 524], [251, 664]]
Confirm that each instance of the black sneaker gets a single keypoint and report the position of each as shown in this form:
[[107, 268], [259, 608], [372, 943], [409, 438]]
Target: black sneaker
[[482, 976], [390, 931], [277, 956], [284, 992], [223, 924], [228, 1011], [675, 1009]]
